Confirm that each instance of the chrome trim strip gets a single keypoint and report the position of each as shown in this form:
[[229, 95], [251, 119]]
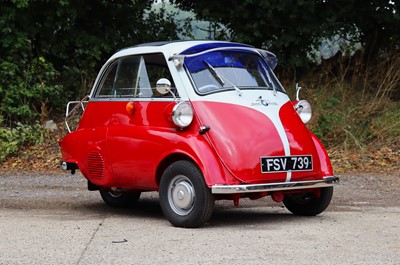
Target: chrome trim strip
[[327, 181], [126, 99], [226, 48]]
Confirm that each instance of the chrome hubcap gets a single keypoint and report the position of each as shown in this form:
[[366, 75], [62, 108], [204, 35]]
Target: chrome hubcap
[[115, 194], [181, 195]]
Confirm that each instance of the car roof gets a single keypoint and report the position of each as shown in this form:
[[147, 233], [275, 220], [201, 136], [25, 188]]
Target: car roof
[[188, 47], [176, 47]]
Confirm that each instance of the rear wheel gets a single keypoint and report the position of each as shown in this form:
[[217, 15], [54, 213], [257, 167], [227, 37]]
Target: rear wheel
[[185, 199], [308, 204], [119, 199]]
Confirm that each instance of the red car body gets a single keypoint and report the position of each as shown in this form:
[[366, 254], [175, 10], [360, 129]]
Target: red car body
[[241, 135]]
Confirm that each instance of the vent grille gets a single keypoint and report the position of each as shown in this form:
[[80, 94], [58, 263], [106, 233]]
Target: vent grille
[[95, 165]]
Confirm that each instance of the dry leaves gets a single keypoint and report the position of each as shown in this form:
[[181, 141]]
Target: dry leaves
[[44, 157], [373, 159]]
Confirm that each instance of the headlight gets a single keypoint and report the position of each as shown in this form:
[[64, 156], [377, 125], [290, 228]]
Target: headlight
[[182, 114], [303, 108]]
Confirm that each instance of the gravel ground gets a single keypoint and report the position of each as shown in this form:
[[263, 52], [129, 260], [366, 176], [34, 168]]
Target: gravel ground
[[50, 218], [31, 190]]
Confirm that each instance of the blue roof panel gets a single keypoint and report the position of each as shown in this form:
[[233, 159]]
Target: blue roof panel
[[211, 45]]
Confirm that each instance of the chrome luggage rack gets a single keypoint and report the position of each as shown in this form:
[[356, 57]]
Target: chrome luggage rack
[[74, 115]]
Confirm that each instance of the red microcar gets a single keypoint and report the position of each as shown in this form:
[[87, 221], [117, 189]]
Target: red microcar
[[197, 121]]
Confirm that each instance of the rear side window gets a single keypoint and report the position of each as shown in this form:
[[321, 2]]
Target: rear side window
[[134, 76]]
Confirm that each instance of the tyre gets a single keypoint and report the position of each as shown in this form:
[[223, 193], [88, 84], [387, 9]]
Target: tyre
[[118, 199], [308, 204], [185, 199]]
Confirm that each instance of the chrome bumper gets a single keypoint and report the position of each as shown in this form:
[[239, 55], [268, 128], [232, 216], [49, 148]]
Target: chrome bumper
[[328, 181]]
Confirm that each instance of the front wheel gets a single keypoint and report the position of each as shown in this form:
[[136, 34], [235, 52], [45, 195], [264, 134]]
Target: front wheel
[[118, 199], [310, 203], [185, 199]]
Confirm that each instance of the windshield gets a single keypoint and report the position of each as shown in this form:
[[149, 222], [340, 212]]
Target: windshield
[[227, 70]]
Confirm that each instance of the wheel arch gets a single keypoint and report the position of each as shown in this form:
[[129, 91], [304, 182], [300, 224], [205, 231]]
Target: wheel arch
[[325, 163], [168, 160], [205, 159]]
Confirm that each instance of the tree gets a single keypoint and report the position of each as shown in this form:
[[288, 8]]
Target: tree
[[294, 28], [69, 38]]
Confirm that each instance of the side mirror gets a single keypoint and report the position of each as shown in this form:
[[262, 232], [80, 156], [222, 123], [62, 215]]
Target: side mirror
[[163, 86]]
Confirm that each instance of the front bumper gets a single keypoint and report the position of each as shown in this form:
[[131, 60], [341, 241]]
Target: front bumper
[[327, 181]]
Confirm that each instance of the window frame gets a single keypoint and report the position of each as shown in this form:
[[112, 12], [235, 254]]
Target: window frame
[[115, 63]]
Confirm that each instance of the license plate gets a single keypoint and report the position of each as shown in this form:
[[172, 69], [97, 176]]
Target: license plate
[[272, 164]]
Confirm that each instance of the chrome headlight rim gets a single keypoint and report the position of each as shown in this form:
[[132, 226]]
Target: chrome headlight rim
[[304, 109], [182, 114]]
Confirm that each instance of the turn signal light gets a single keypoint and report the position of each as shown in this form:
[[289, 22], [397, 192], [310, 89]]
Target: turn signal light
[[130, 108]]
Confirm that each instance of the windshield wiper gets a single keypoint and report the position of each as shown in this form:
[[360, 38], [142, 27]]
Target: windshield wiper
[[214, 73], [219, 77]]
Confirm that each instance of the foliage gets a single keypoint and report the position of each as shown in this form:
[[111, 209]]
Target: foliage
[[12, 140], [28, 89], [292, 29], [327, 119], [349, 124], [53, 49], [386, 127], [356, 108]]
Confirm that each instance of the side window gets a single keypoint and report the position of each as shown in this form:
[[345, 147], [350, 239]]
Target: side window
[[135, 76], [126, 76], [108, 82], [157, 68]]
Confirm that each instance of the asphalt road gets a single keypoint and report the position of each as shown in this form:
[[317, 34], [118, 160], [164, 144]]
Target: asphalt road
[[51, 218]]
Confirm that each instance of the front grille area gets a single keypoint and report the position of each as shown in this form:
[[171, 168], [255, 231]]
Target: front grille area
[[95, 165]]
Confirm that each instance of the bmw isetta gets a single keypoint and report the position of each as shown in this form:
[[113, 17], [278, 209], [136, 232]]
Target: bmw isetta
[[197, 121]]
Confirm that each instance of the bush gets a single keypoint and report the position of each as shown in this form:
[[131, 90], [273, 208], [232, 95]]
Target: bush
[[13, 139], [28, 90], [355, 103]]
